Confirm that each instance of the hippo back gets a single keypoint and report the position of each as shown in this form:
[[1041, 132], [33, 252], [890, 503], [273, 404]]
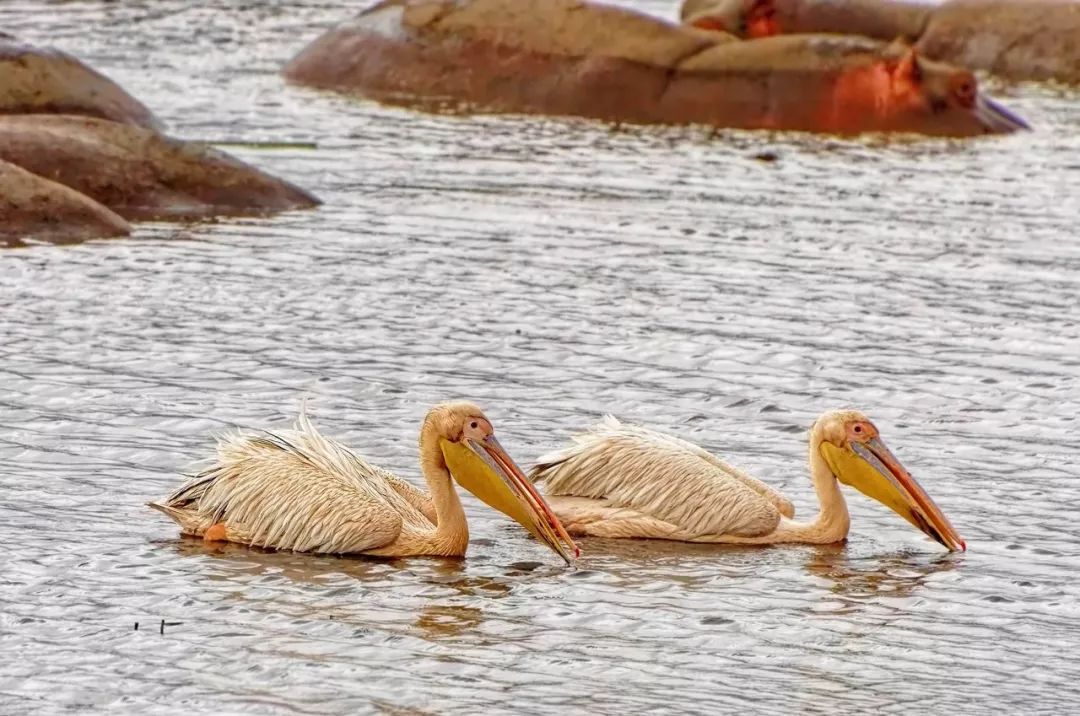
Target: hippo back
[[567, 28]]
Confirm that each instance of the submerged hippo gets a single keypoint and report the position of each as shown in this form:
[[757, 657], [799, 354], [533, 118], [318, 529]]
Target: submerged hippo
[[35, 80], [140, 174], [33, 207], [1017, 39], [566, 57]]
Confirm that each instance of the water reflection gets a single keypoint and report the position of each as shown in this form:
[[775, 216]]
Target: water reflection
[[674, 281], [388, 709], [898, 574], [452, 573], [442, 621], [254, 561]]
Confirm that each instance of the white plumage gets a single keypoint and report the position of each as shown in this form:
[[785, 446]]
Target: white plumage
[[661, 476], [298, 490], [620, 480]]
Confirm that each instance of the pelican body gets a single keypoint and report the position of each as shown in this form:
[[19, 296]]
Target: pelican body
[[298, 490], [627, 481]]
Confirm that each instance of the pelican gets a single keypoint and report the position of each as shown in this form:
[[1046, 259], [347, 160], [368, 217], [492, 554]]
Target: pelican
[[627, 481], [298, 490]]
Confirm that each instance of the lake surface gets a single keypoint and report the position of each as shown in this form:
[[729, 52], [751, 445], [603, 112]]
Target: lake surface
[[551, 271]]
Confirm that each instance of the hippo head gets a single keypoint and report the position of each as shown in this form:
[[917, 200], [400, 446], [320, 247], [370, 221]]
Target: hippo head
[[908, 93]]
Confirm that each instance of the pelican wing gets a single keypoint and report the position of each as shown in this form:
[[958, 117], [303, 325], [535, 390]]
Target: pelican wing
[[296, 490], [414, 496], [664, 477]]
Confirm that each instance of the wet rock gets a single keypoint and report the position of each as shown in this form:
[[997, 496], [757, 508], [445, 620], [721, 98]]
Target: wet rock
[[35, 208], [140, 174], [35, 80], [1016, 39], [566, 57]]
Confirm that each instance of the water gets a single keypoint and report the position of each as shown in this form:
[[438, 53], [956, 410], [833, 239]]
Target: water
[[550, 271]]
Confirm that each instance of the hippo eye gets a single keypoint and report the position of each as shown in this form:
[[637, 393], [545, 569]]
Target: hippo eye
[[963, 89]]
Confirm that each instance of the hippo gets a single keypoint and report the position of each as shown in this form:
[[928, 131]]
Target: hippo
[[141, 174], [35, 80], [575, 58], [1014, 39], [34, 207]]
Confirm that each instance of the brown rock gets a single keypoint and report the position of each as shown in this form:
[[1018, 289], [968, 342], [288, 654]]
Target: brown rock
[[35, 80], [1016, 39], [566, 57], [140, 174], [35, 208]]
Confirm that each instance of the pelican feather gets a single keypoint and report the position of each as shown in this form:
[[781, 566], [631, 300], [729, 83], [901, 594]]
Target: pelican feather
[[302, 491], [634, 467]]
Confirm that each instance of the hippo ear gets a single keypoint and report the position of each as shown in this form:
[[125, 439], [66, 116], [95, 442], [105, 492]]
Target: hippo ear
[[759, 19], [899, 45], [907, 69]]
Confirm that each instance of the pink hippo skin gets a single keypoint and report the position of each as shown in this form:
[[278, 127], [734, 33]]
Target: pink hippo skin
[[1015, 39], [567, 57]]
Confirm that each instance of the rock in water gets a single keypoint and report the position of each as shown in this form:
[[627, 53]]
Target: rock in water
[[1016, 39], [141, 174], [35, 80], [35, 208]]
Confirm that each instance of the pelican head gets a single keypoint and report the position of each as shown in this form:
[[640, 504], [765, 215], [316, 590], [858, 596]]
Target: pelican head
[[478, 463], [851, 446]]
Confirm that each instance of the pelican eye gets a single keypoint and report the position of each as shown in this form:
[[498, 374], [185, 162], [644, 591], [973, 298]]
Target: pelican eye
[[473, 425], [858, 428]]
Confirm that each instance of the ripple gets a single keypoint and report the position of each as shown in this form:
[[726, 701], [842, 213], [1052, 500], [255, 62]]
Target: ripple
[[726, 288]]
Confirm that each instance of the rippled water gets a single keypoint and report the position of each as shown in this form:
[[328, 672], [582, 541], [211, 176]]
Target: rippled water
[[551, 271]]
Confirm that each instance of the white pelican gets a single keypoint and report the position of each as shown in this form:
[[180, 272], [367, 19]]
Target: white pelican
[[300, 491], [627, 481]]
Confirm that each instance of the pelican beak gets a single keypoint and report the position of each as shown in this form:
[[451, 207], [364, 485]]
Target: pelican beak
[[871, 468], [483, 468]]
